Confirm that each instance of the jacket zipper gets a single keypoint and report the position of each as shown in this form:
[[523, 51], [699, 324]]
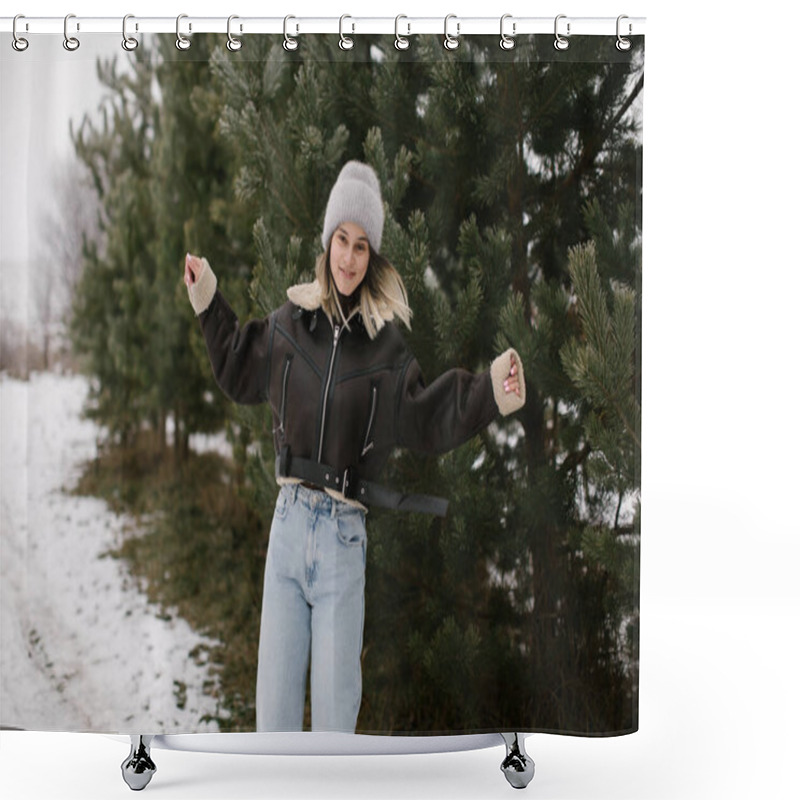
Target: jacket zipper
[[368, 445], [283, 392], [336, 332]]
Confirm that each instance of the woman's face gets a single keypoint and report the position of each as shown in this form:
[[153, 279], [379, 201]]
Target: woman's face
[[349, 257]]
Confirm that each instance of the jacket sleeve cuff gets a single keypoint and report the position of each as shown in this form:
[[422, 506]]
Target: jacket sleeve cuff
[[201, 293], [507, 403]]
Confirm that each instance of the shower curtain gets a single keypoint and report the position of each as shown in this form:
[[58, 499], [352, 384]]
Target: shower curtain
[[137, 499]]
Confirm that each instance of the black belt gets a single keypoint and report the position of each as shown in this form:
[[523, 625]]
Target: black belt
[[351, 487]]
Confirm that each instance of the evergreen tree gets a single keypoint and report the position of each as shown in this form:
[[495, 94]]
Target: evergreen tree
[[498, 168], [161, 176], [487, 159], [196, 212], [111, 327]]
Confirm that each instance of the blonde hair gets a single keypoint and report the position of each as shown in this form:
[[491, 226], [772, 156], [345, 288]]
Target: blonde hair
[[382, 293]]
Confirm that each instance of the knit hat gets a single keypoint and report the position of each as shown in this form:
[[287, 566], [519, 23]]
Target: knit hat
[[355, 197]]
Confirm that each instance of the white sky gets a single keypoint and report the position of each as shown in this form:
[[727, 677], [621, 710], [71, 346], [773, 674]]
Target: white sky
[[40, 91]]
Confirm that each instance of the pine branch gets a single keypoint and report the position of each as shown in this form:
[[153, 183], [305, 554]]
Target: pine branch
[[576, 458], [594, 146]]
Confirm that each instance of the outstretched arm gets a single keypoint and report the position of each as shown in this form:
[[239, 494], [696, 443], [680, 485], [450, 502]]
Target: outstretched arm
[[239, 355], [457, 405]]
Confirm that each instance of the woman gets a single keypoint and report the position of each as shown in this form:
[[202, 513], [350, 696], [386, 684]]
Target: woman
[[344, 391]]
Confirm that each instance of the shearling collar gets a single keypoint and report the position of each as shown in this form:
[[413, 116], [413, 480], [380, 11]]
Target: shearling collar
[[306, 295]]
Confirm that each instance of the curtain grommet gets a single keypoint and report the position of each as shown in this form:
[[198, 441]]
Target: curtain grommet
[[561, 42], [233, 44], [182, 42], [19, 43], [401, 42], [345, 42], [71, 43], [128, 42], [289, 43], [451, 42], [507, 42]]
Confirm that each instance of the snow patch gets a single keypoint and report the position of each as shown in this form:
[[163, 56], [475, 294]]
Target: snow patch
[[81, 649]]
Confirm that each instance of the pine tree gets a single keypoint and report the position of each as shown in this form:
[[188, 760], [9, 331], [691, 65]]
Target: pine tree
[[518, 610], [196, 212], [493, 617], [110, 327], [604, 365], [160, 173]]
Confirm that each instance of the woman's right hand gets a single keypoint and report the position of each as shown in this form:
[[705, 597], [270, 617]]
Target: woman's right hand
[[192, 268]]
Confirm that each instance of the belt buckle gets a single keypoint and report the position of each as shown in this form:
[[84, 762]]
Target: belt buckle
[[349, 482]]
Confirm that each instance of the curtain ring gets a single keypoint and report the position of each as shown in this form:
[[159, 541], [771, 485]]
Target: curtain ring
[[182, 43], [623, 44], [401, 42], [507, 42], [71, 43], [288, 42], [18, 43], [345, 42], [451, 42], [561, 43], [128, 42], [233, 44]]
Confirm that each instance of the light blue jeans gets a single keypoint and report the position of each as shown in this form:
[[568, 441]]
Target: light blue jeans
[[313, 606]]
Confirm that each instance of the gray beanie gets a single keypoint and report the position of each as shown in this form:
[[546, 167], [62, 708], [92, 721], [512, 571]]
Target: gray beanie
[[355, 197]]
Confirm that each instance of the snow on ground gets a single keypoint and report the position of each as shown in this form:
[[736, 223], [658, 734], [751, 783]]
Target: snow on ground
[[81, 649]]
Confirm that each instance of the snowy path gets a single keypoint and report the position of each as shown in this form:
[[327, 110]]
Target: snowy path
[[80, 646]]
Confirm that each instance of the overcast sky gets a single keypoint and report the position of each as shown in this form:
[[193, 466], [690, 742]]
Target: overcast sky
[[40, 91]]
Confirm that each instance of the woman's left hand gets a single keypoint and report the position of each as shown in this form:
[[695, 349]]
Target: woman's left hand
[[511, 383]]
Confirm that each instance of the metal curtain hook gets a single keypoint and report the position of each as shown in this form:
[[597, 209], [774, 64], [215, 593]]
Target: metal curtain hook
[[128, 42], [182, 43], [561, 43], [18, 43], [401, 42], [233, 44], [288, 42], [345, 42], [507, 42], [71, 43], [451, 42], [623, 44]]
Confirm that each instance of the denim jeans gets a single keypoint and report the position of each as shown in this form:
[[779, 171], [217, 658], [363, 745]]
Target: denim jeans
[[313, 606]]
